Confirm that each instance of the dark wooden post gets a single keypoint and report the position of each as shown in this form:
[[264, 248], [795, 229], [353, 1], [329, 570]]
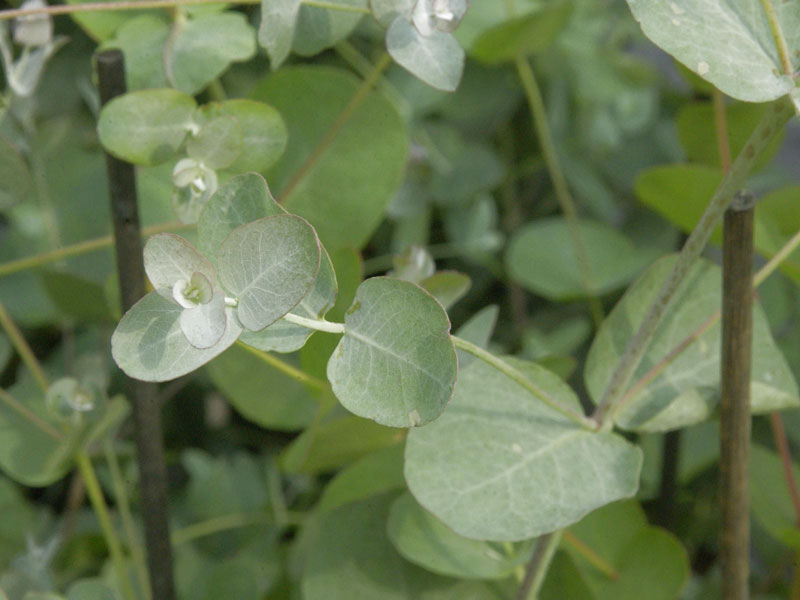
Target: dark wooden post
[[737, 338], [146, 409]]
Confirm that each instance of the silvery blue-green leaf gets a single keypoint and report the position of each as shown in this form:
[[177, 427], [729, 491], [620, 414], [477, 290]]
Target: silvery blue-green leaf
[[414, 265], [217, 143], [448, 287], [386, 11], [729, 43], [283, 336], [686, 390], [142, 42], [264, 134], [148, 343], [269, 265], [204, 47], [16, 184], [276, 31], [169, 258], [146, 127], [397, 375], [352, 557], [541, 256], [501, 465], [478, 330], [438, 59], [424, 540], [204, 324], [429, 16], [240, 200], [319, 28]]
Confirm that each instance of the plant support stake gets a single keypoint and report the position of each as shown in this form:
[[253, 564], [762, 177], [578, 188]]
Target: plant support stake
[[737, 338], [146, 410]]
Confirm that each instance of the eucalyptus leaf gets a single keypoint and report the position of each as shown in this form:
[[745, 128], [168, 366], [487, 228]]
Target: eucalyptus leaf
[[425, 541], [148, 343], [477, 330], [685, 389], [448, 287], [240, 200], [728, 43], [386, 11], [770, 498], [319, 27], [260, 393], [397, 376], [276, 31], [16, 184], [264, 134], [202, 48], [169, 258], [90, 589], [345, 190], [217, 143], [204, 324], [501, 465], [438, 59], [283, 336], [142, 40], [269, 265], [541, 256], [146, 127]]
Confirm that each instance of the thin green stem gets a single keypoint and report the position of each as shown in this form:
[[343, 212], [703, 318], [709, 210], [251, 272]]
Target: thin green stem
[[592, 557], [777, 35], [65, 9], [519, 378], [537, 568], [285, 368], [23, 349], [37, 260], [565, 200], [218, 525], [121, 498], [777, 259], [29, 415], [771, 124], [341, 120], [95, 494], [315, 324]]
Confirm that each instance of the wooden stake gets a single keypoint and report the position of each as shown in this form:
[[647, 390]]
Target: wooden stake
[[146, 409], [737, 338]]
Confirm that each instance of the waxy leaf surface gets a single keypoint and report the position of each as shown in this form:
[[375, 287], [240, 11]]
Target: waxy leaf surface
[[396, 363], [501, 465], [276, 31]]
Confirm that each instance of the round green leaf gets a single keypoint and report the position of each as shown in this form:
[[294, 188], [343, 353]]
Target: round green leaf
[[148, 343], [16, 184], [264, 135], [204, 47], [541, 256], [276, 31], [283, 336], [399, 375], [142, 43], [686, 390], [386, 11], [345, 189], [424, 540], [169, 258], [448, 287], [218, 142], [729, 43], [319, 28], [146, 127], [501, 465], [204, 324], [269, 265], [437, 59]]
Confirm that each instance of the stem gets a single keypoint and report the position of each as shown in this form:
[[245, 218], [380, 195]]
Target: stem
[[347, 112], [141, 4], [592, 557], [29, 415], [101, 510], [777, 35], [217, 525], [23, 349], [516, 376], [315, 324], [542, 129], [737, 341], [777, 259], [121, 498], [772, 122], [285, 368], [146, 409], [782, 444], [536, 570], [14, 266], [721, 130]]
